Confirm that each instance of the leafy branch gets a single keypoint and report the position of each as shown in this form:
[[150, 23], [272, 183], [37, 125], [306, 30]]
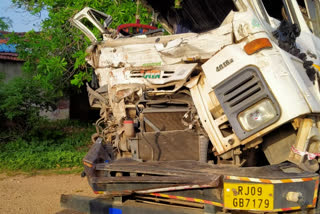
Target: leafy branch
[[56, 55]]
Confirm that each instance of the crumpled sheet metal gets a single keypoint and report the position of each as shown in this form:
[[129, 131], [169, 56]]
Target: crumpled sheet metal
[[123, 67], [176, 75], [202, 46], [245, 24]]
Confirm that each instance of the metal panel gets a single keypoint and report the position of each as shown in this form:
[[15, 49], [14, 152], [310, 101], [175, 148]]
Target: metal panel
[[169, 145], [165, 119], [240, 91]]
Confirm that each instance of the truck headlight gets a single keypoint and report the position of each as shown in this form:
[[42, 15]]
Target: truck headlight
[[257, 115]]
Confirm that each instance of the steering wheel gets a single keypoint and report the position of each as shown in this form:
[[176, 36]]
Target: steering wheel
[[134, 29]]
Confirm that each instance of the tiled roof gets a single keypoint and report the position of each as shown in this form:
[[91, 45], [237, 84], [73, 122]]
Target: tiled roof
[[5, 48], [8, 52], [7, 32], [3, 41], [10, 58]]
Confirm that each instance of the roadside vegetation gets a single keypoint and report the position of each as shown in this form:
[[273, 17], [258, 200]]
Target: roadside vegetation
[[29, 142], [54, 66], [49, 145]]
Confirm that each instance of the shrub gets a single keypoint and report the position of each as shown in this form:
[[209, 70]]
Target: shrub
[[57, 144], [21, 100]]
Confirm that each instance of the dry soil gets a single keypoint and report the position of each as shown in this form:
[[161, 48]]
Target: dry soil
[[39, 194]]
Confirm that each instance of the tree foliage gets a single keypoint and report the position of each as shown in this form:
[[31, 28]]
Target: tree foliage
[[50, 145], [56, 55], [21, 100], [5, 23]]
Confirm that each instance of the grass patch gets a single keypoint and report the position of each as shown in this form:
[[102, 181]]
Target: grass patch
[[34, 172], [53, 145]]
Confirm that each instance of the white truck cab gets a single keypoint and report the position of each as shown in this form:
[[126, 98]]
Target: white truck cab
[[236, 83]]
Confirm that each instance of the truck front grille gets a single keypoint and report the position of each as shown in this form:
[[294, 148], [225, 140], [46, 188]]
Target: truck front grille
[[248, 86], [240, 91]]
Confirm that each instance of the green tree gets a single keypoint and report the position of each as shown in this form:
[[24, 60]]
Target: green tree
[[56, 54], [21, 100], [5, 23], [54, 57]]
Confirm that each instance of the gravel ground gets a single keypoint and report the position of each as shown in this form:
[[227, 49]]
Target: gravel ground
[[39, 194]]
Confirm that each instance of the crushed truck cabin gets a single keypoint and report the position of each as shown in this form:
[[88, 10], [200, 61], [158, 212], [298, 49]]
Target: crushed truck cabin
[[223, 111]]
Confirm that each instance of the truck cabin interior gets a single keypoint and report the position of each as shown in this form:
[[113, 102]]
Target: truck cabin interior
[[203, 15], [193, 16], [277, 9], [274, 8]]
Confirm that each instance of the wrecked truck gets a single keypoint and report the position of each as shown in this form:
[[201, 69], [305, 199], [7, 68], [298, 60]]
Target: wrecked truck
[[221, 115]]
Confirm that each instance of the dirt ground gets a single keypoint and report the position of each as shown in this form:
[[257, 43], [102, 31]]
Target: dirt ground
[[39, 194]]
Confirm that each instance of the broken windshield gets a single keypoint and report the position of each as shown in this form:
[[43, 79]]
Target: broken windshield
[[193, 16], [312, 15], [304, 13]]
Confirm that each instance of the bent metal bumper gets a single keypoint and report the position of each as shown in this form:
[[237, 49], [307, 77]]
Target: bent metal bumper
[[276, 188]]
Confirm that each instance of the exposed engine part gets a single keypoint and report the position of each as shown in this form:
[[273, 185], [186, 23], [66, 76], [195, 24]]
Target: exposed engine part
[[278, 143], [168, 145], [203, 148], [128, 126]]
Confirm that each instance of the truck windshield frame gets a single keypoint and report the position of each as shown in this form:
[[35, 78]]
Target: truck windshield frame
[[294, 14], [313, 9]]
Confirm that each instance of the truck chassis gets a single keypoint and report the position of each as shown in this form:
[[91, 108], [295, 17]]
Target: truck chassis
[[194, 187]]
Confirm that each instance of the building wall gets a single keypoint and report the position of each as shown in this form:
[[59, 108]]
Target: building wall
[[62, 111], [11, 69], [75, 108]]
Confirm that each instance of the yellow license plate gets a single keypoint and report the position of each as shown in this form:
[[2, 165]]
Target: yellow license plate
[[244, 196]]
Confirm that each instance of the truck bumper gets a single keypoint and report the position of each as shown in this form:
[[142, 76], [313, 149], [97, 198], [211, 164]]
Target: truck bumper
[[197, 186]]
